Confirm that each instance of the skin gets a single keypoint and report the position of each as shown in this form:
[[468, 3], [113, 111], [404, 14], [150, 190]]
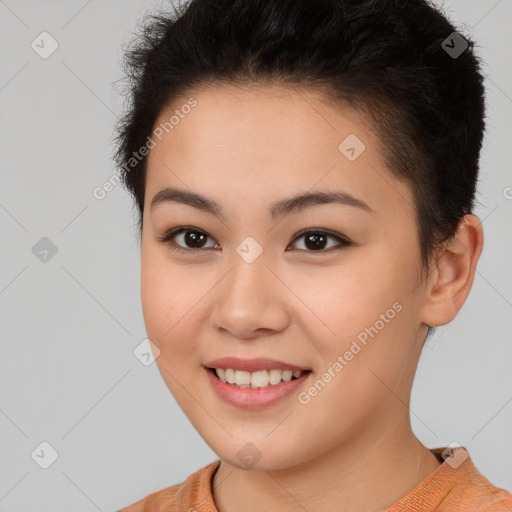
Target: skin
[[246, 148]]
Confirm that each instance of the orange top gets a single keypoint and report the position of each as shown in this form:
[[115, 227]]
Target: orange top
[[455, 486]]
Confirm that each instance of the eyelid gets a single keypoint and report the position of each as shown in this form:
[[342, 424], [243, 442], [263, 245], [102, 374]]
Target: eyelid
[[323, 231], [344, 242], [171, 233]]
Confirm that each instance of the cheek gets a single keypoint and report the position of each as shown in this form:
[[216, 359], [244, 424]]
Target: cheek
[[172, 303], [345, 300], [156, 296], [163, 291], [364, 314]]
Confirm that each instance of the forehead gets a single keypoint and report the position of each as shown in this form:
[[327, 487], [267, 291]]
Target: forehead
[[267, 139]]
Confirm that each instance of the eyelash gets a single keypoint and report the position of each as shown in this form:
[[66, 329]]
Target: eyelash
[[167, 239]]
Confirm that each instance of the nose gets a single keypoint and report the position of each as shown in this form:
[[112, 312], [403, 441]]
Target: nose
[[250, 301]]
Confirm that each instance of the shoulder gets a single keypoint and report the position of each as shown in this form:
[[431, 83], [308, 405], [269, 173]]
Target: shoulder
[[475, 492], [195, 489], [495, 499], [456, 485], [159, 501], [488, 499]]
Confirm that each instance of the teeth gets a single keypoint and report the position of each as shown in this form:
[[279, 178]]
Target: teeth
[[287, 375], [242, 378], [259, 379], [221, 373], [230, 376], [274, 377]]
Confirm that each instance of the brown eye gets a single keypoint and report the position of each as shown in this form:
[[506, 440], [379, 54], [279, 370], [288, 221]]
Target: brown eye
[[190, 239], [317, 240], [194, 239]]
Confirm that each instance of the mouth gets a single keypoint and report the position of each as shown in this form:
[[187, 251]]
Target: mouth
[[254, 384], [256, 379]]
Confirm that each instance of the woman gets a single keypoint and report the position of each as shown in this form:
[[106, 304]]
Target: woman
[[305, 175]]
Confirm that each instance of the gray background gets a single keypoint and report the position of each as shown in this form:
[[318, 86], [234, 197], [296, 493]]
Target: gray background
[[69, 325]]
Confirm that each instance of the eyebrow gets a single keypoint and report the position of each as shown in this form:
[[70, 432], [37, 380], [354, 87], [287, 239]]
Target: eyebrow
[[277, 210]]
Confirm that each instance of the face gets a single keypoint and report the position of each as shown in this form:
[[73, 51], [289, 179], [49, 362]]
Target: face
[[329, 287]]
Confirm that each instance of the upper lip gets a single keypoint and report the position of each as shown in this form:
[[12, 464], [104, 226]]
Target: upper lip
[[252, 365]]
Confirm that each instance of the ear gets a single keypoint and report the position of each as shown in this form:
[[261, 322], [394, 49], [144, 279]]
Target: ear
[[451, 278]]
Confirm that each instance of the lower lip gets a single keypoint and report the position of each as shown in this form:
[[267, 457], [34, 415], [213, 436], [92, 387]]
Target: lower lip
[[249, 398]]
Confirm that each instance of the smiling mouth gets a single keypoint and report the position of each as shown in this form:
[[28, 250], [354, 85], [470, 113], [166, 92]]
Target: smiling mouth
[[256, 380]]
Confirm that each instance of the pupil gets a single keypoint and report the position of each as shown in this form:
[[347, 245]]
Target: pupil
[[316, 238], [191, 236], [314, 241]]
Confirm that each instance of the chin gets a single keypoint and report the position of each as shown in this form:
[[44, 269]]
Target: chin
[[263, 456]]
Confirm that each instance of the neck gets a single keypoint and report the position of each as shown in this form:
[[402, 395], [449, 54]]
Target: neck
[[368, 474]]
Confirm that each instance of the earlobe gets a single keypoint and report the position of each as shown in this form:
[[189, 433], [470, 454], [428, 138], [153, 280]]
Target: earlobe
[[450, 281]]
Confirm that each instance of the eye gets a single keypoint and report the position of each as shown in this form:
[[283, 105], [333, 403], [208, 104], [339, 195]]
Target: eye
[[190, 235], [194, 239], [316, 239]]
